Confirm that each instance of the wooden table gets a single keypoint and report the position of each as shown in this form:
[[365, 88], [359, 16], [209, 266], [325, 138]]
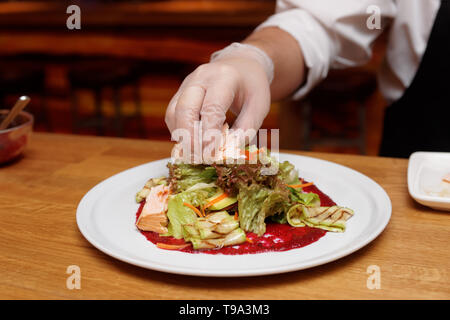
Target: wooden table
[[39, 237]]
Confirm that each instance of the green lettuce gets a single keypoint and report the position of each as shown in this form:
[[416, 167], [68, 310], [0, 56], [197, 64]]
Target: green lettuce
[[279, 218], [256, 203], [309, 199], [296, 196], [179, 214], [250, 201], [184, 176], [287, 172]]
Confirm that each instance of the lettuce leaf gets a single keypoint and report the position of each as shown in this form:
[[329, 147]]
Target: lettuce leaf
[[184, 176], [250, 201], [279, 218], [309, 199], [296, 196], [256, 203], [287, 172], [179, 214]]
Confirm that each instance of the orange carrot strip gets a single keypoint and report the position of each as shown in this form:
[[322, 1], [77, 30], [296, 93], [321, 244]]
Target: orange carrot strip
[[202, 208], [249, 240], [244, 152], [221, 197], [193, 208], [249, 155], [236, 216], [172, 246], [295, 186]]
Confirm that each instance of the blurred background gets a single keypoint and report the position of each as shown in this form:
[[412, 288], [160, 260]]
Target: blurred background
[[116, 75]]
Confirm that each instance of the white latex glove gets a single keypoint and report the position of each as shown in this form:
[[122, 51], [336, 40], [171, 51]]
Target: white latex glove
[[237, 77]]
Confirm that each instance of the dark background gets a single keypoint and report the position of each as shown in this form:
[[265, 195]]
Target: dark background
[[117, 74]]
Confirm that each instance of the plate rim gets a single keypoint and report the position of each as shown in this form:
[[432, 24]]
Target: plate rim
[[353, 247]]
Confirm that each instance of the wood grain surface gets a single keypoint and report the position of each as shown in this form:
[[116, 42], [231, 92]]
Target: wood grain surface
[[39, 237]]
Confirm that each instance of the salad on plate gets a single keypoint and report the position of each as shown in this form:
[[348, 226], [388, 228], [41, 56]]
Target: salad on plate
[[236, 207]]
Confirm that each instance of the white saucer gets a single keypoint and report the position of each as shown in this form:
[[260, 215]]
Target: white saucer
[[425, 173]]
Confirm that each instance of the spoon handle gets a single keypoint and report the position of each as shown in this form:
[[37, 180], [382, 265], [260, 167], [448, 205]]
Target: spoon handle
[[18, 107]]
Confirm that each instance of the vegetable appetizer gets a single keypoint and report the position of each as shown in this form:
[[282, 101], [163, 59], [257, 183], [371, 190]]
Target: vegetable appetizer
[[216, 205]]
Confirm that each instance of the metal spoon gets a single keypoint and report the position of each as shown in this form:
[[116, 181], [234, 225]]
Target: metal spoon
[[18, 107]]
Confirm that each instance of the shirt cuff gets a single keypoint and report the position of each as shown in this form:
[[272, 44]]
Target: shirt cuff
[[314, 41]]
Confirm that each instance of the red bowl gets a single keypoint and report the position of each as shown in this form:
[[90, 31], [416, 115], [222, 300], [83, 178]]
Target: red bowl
[[15, 138]]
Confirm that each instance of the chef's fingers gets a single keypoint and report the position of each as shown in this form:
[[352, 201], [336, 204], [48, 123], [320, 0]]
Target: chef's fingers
[[186, 118], [251, 116], [170, 111], [187, 109], [218, 99]]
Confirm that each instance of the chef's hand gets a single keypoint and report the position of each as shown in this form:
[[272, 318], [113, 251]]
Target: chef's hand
[[236, 78]]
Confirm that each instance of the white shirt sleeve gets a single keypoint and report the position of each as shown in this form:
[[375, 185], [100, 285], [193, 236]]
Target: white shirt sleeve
[[330, 33]]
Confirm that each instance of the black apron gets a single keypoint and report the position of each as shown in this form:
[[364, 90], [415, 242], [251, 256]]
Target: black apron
[[420, 119]]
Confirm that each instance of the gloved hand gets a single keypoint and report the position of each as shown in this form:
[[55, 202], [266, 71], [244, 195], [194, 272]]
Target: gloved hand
[[237, 77]]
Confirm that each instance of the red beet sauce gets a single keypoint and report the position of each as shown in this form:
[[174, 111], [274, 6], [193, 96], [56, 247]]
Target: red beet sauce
[[278, 237]]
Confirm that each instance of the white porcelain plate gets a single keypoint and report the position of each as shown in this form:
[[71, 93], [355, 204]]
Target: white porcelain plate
[[106, 217], [426, 171]]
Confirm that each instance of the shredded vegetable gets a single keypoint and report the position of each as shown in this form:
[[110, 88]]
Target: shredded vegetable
[[172, 246], [225, 204], [221, 197], [303, 185], [198, 212]]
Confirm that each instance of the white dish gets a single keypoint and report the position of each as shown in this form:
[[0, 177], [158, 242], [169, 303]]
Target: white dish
[[106, 217], [425, 173]]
